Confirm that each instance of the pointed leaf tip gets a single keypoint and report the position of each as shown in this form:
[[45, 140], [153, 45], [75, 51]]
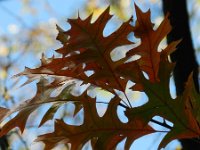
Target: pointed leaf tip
[[3, 112]]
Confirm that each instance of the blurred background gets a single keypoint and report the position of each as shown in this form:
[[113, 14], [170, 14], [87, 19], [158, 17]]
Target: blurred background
[[28, 29]]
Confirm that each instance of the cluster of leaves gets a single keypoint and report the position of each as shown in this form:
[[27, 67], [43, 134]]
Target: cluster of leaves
[[86, 57]]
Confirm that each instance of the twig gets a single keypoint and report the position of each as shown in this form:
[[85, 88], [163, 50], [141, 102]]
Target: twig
[[164, 124], [18, 18], [120, 104]]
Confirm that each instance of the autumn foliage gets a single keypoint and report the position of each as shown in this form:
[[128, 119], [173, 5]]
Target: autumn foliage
[[85, 50]]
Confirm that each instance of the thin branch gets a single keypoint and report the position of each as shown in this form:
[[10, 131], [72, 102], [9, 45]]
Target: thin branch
[[50, 9], [164, 124], [120, 104], [18, 18]]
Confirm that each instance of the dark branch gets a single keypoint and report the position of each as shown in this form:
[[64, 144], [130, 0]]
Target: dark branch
[[164, 124], [184, 56]]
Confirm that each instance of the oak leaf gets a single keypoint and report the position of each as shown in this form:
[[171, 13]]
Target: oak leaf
[[107, 130]]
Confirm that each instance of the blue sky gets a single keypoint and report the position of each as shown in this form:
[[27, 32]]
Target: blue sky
[[62, 8]]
